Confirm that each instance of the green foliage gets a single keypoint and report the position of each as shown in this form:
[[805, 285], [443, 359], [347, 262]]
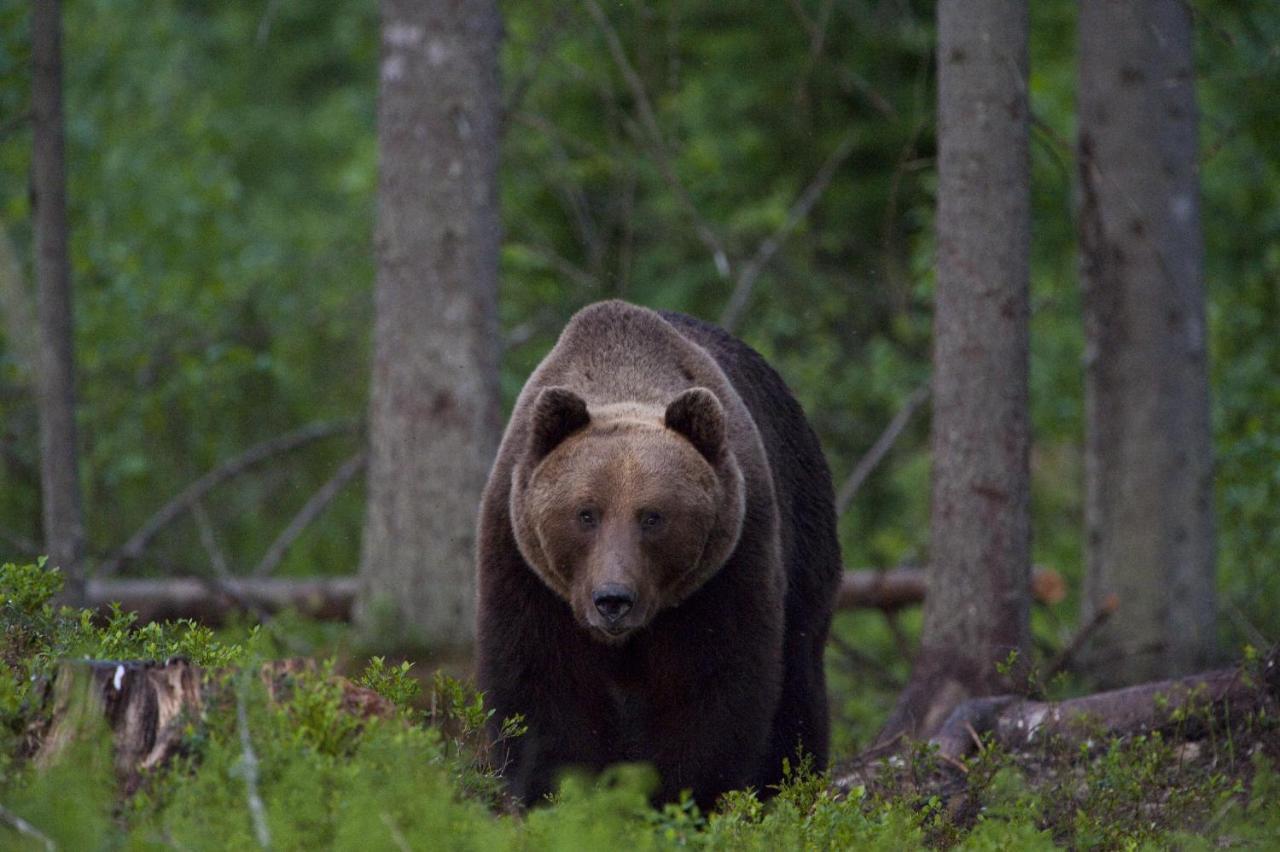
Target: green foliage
[[329, 778], [394, 683], [38, 635]]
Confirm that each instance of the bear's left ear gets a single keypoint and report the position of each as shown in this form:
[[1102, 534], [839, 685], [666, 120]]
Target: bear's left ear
[[557, 413], [698, 415]]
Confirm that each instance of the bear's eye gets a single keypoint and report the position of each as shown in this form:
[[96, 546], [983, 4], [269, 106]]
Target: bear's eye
[[651, 520], [587, 518]]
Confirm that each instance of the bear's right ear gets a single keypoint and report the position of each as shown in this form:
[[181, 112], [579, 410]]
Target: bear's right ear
[[557, 414]]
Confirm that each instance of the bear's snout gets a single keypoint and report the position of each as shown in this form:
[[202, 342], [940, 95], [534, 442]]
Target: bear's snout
[[613, 601]]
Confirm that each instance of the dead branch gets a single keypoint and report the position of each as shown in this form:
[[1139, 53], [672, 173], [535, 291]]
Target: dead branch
[[20, 543], [862, 663], [15, 123], [770, 245], [879, 449], [658, 142], [209, 541], [1064, 657], [519, 88], [166, 599], [899, 587], [21, 826], [17, 303], [183, 502], [310, 510], [249, 770], [330, 598], [554, 260], [573, 197], [221, 582]]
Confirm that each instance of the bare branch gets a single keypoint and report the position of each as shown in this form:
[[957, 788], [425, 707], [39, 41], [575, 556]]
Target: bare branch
[[577, 144], [1064, 657], [554, 260], [222, 580], [21, 826], [769, 246], [852, 81], [572, 196], [879, 449], [17, 302], [519, 89], [898, 587], [264, 23], [657, 141], [20, 543], [801, 15], [310, 510], [15, 122], [863, 662], [249, 769], [182, 503], [209, 542]]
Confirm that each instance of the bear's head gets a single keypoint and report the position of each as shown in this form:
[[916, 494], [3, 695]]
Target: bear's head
[[627, 509]]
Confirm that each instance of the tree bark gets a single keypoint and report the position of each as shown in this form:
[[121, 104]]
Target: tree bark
[[56, 402], [976, 612], [1149, 466], [434, 408]]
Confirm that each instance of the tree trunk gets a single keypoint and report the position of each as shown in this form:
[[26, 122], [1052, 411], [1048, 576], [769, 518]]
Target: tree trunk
[[1149, 466], [59, 465], [976, 611], [434, 408]]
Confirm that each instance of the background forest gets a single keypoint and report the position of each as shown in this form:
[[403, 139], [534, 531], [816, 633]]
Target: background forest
[[770, 166], [222, 172]]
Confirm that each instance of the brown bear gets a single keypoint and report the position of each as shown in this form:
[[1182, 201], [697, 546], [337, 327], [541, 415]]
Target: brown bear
[[657, 562]]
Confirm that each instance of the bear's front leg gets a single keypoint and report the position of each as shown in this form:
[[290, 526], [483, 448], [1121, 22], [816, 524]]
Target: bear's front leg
[[710, 715]]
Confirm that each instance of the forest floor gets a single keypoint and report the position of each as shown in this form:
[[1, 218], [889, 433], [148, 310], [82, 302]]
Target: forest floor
[[252, 751]]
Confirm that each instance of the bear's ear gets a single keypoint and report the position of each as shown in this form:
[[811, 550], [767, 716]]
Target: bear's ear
[[557, 414], [697, 414]]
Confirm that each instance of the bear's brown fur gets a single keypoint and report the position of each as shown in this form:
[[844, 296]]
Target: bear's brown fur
[[657, 561]]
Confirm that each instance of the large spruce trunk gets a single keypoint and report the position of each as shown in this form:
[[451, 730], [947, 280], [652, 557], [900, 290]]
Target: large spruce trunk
[[56, 401], [977, 607], [1149, 507], [434, 417]]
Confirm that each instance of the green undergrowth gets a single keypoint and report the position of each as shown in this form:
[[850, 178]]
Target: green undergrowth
[[328, 778]]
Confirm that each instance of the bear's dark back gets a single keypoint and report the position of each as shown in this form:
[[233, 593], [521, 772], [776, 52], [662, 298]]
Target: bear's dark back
[[810, 548]]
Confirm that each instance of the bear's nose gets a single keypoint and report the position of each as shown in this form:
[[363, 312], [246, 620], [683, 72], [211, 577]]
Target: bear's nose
[[613, 601]]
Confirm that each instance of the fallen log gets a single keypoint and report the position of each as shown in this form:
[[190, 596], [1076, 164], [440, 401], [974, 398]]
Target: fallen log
[[1187, 707], [1191, 702], [331, 598], [210, 602]]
